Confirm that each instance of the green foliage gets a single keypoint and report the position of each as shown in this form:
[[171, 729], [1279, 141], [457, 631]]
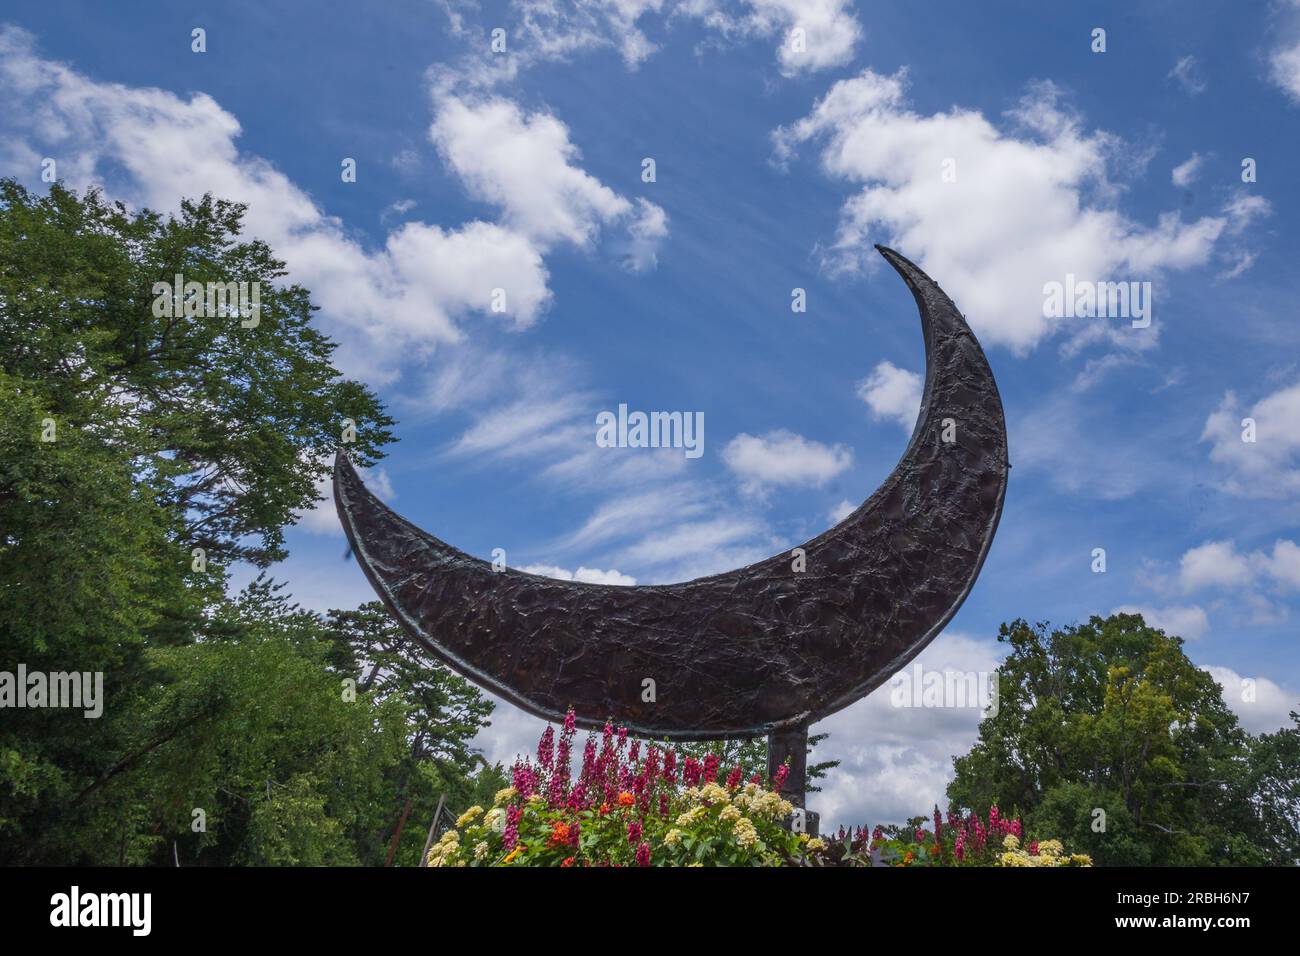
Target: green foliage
[[1112, 716], [229, 427], [127, 440]]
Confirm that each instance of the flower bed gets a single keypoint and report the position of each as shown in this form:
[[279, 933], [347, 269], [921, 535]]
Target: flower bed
[[637, 805]]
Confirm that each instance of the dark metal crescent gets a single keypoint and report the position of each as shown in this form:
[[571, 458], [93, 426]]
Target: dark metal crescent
[[758, 650]]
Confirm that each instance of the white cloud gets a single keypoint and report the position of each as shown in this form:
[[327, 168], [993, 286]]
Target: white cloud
[[1027, 206], [585, 575], [1285, 64], [640, 250], [1219, 564], [557, 29], [1268, 467], [322, 517], [783, 458], [896, 762], [152, 148], [1187, 72], [893, 393], [1284, 61], [830, 31], [635, 513], [1185, 173], [1189, 622], [842, 511], [524, 165], [1213, 564], [1261, 705]]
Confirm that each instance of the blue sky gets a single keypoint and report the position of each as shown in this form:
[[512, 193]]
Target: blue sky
[[775, 170]]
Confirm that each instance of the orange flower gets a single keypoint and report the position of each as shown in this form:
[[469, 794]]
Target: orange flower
[[626, 799], [604, 808], [568, 861], [560, 834], [907, 858]]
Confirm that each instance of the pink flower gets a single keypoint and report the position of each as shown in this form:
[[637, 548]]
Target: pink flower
[[643, 855], [577, 796], [511, 835], [634, 832], [711, 764], [670, 766], [782, 772], [524, 779], [570, 723], [546, 747], [734, 778], [691, 772]]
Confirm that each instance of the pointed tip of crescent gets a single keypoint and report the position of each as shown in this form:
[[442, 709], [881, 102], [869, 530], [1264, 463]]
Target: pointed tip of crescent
[[902, 265]]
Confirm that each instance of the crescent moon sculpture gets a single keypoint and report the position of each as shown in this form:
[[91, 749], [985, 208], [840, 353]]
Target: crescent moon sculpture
[[764, 649]]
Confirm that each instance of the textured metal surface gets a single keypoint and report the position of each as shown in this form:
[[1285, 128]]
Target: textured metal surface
[[757, 650]]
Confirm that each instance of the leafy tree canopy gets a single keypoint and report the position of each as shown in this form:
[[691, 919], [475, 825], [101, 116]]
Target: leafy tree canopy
[[1109, 736]]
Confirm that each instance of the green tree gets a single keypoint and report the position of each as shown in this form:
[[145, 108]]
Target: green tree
[[444, 712], [229, 427], [1110, 738], [141, 453]]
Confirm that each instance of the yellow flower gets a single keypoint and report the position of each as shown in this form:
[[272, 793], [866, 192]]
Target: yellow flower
[[728, 814], [1050, 848], [481, 850], [712, 793], [519, 848], [690, 816], [672, 837], [504, 796], [1080, 859], [746, 835], [815, 844], [1011, 842], [468, 816]]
